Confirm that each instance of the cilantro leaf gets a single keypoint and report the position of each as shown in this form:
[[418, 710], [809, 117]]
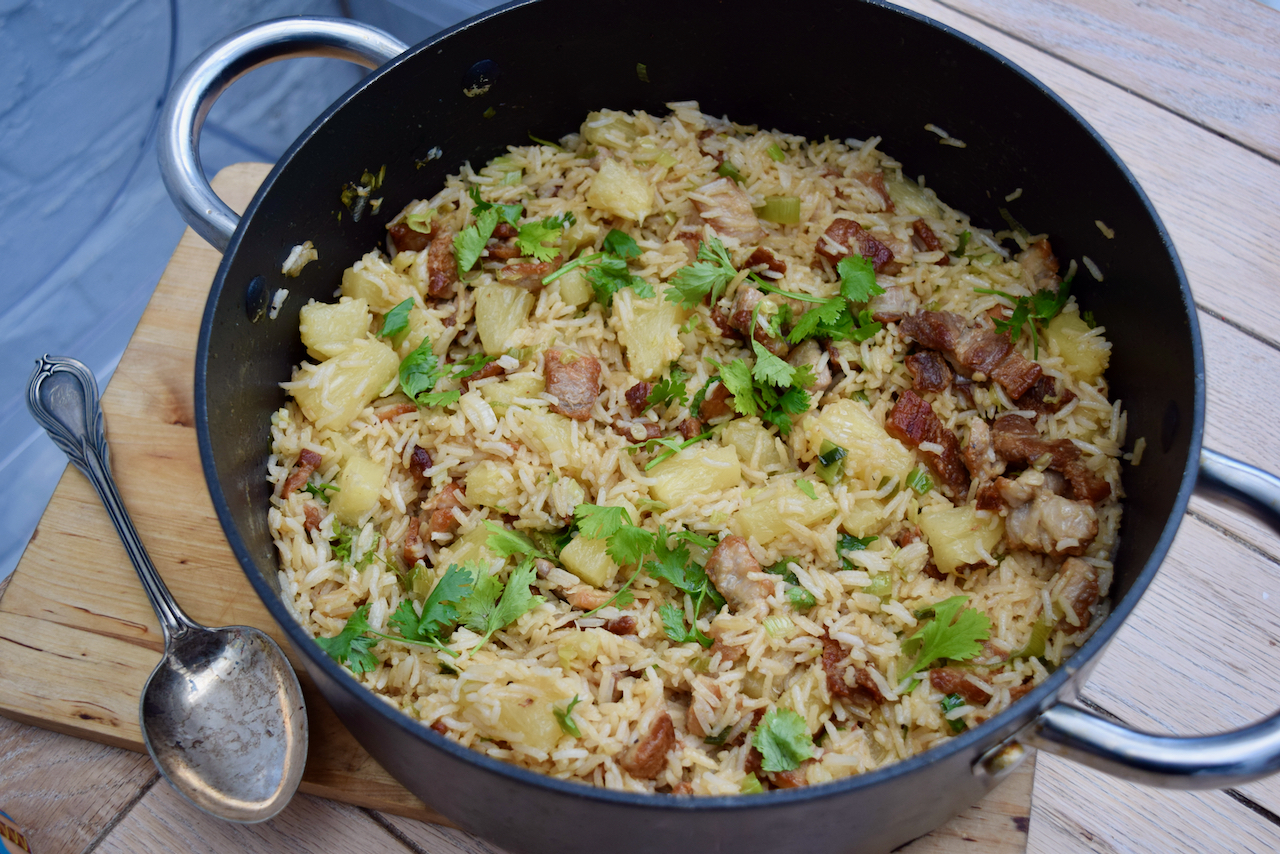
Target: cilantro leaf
[[710, 274], [629, 543], [1043, 305], [598, 523], [771, 369], [867, 328], [673, 625], [533, 236], [857, 279], [783, 739], [564, 717], [736, 377], [405, 620], [611, 275], [440, 398], [952, 633], [621, 244], [827, 314], [397, 320], [469, 243], [439, 612], [511, 543], [350, 647], [492, 605], [419, 370], [510, 214], [670, 390]]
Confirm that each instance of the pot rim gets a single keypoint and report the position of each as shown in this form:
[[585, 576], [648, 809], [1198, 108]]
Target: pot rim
[[975, 741]]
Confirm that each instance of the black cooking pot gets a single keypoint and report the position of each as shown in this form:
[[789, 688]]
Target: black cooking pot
[[856, 69]]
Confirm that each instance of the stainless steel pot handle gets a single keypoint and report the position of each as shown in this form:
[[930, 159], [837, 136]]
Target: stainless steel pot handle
[[220, 66], [1174, 762]]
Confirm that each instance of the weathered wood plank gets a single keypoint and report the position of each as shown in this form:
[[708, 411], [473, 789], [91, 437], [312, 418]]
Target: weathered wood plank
[[1080, 811], [1213, 61], [1216, 198], [162, 823], [1199, 653]]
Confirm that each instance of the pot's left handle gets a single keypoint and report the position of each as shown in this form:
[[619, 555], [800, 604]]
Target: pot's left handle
[[217, 68]]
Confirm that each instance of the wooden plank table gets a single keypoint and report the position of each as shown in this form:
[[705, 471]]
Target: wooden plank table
[[1188, 93]]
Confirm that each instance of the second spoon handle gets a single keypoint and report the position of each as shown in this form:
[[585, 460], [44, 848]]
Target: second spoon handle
[[63, 398]]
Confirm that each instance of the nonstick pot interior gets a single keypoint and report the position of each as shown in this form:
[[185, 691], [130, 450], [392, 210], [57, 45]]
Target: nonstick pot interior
[[850, 70]]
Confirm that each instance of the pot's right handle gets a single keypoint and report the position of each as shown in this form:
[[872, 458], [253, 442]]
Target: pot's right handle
[[217, 68], [1197, 762]]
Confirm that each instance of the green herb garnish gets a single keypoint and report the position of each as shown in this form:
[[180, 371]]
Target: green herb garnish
[[710, 274], [954, 701], [564, 717], [397, 320], [783, 740], [954, 633]]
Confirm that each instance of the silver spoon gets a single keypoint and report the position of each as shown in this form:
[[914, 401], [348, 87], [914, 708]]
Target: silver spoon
[[222, 714]]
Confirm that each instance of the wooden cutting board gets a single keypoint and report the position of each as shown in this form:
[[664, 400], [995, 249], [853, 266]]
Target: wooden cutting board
[[79, 638]]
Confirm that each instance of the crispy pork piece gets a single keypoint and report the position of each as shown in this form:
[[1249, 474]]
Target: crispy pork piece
[[913, 422], [729, 567], [575, 382], [973, 349], [845, 237], [646, 758]]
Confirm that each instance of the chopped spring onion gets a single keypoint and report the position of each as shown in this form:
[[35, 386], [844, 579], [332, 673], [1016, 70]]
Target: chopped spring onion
[[642, 72], [1035, 644], [564, 717], [510, 179], [919, 480], [962, 243], [775, 151], [751, 785], [728, 170], [881, 585], [800, 598], [830, 458], [784, 210], [954, 701], [778, 626], [546, 143], [420, 222]]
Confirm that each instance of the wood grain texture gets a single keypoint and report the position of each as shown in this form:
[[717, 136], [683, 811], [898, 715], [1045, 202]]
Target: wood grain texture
[[1218, 64], [162, 823], [1199, 182], [74, 608], [1091, 813]]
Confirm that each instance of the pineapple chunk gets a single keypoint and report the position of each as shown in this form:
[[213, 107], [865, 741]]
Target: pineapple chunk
[[377, 282], [748, 439], [360, 482], [327, 328], [864, 517], [518, 712], [873, 453], [581, 233], [332, 393], [649, 330], [765, 517], [588, 560], [500, 311], [959, 538], [621, 191], [471, 547], [505, 393], [554, 435], [489, 484], [573, 288], [610, 130], [695, 471], [1086, 355], [423, 325], [909, 196]]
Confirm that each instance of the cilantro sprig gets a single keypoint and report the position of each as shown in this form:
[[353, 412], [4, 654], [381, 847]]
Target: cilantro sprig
[[783, 739], [350, 647], [954, 633], [533, 236], [671, 389], [397, 320], [493, 604], [607, 270], [468, 244], [564, 717], [709, 275], [421, 370], [1042, 306]]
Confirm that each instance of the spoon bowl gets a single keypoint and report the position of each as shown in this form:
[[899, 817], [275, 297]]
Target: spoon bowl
[[222, 714]]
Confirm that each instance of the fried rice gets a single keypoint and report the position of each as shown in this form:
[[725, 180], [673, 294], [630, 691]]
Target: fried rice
[[829, 581]]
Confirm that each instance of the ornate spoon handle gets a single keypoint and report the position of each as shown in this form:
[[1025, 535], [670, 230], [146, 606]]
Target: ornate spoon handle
[[63, 398]]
